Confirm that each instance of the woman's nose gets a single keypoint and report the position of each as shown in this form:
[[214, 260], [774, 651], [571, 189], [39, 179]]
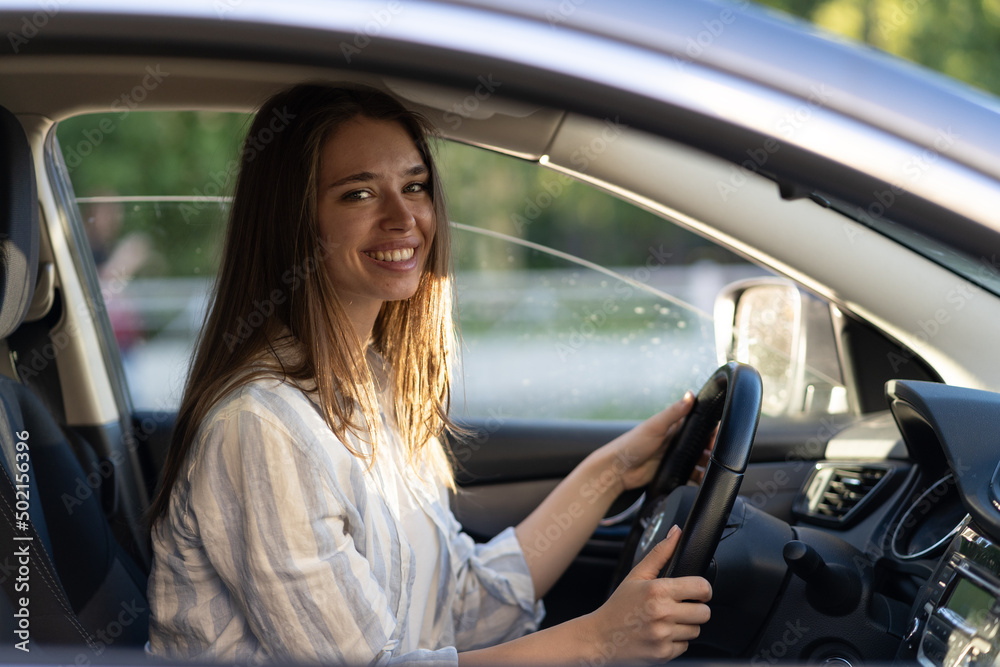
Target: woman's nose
[[397, 212]]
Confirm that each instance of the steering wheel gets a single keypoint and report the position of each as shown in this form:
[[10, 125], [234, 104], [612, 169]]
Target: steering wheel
[[732, 395]]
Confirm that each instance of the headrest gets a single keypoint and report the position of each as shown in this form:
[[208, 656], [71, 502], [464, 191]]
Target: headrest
[[18, 224]]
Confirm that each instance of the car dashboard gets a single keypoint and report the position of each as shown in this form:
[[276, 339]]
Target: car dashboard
[[958, 611], [909, 502]]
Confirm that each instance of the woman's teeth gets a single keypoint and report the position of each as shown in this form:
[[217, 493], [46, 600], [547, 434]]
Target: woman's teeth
[[400, 255]]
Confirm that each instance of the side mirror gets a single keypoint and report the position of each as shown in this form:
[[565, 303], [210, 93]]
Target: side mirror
[[788, 336]]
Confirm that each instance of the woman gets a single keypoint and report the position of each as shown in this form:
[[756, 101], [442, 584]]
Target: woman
[[304, 509]]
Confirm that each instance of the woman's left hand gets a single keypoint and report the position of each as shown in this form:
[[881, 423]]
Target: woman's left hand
[[635, 455]]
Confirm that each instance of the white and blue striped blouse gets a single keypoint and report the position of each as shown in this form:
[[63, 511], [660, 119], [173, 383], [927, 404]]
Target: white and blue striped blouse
[[280, 545]]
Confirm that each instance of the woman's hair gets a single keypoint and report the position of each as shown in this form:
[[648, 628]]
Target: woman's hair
[[273, 281]]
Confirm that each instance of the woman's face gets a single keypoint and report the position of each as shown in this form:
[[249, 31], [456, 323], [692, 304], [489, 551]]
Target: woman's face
[[375, 215]]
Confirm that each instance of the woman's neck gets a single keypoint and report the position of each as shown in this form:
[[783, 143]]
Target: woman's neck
[[362, 317]]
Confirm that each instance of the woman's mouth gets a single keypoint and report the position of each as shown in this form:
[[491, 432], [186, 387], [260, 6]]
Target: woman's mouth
[[400, 255]]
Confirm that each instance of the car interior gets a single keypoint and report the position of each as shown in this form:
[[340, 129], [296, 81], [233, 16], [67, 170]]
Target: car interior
[[89, 578], [95, 456]]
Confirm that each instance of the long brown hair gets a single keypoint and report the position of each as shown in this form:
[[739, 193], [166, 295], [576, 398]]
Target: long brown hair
[[272, 281]]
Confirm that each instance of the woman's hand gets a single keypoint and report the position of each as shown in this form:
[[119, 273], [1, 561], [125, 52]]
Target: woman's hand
[[649, 619], [552, 535], [635, 455]]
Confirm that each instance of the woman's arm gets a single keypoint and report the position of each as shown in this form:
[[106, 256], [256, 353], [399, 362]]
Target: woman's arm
[[646, 620], [554, 533]]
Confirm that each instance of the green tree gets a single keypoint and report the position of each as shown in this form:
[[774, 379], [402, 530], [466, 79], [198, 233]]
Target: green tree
[[181, 162], [959, 38]]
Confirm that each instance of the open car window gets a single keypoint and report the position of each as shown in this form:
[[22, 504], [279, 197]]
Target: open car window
[[562, 314]]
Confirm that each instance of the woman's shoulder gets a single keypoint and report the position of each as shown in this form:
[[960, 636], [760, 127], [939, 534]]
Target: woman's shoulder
[[264, 395], [264, 387], [267, 420]]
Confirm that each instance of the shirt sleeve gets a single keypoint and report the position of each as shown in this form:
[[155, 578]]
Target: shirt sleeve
[[495, 593], [281, 525]]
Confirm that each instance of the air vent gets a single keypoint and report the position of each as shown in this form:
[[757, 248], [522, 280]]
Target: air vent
[[836, 493]]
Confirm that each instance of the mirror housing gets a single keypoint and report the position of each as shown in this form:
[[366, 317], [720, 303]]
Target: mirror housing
[[789, 337]]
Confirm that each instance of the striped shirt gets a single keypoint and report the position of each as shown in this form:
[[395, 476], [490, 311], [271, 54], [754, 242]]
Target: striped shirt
[[280, 545]]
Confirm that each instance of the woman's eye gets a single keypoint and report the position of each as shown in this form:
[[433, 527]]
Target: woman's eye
[[416, 187], [357, 195]]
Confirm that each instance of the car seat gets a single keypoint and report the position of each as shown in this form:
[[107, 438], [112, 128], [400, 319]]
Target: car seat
[[82, 587]]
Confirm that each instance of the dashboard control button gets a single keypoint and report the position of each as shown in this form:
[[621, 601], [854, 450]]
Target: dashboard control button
[[938, 629], [934, 650]]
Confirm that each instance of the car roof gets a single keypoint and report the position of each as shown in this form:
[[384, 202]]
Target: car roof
[[749, 42]]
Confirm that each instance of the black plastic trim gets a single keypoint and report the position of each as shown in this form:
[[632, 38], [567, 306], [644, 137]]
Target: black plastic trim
[[961, 424]]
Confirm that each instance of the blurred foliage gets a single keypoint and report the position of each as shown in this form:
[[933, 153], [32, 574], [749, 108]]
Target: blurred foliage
[[151, 153], [538, 205], [959, 37], [155, 155]]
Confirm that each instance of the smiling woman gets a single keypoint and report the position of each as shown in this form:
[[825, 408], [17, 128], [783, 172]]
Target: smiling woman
[[277, 540], [278, 228], [304, 511], [378, 223]]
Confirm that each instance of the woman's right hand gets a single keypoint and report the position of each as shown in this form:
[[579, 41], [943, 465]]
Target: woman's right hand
[[648, 619]]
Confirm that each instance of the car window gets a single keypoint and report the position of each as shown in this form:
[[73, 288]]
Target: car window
[[152, 192], [573, 304]]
